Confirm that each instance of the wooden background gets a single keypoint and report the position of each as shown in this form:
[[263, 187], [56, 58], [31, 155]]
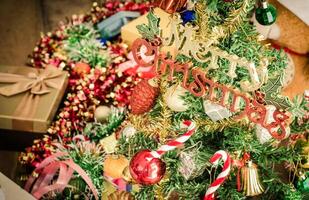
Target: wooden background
[[21, 22]]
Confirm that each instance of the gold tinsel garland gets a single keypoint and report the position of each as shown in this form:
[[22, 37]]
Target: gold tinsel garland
[[158, 188], [211, 126], [224, 30], [202, 21], [157, 126]]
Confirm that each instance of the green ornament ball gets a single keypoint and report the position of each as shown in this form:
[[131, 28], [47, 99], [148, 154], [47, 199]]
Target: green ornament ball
[[266, 15], [303, 183]]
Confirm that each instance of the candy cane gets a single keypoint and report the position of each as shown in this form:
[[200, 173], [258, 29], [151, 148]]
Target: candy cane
[[171, 145], [222, 176]]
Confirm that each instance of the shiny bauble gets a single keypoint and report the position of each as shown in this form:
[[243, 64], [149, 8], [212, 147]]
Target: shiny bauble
[[303, 182], [173, 98], [145, 169], [114, 165], [188, 16], [102, 113], [268, 32], [266, 14], [82, 68]]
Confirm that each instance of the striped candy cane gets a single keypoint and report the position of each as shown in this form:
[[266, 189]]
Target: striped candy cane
[[210, 193], [171, 145]]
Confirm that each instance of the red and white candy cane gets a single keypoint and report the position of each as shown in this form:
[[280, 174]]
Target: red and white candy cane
[[171, 145], [210, 193]]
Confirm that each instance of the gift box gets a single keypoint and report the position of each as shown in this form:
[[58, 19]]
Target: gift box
[[30, 97], [11, 191], [111, 26], [129, 32]]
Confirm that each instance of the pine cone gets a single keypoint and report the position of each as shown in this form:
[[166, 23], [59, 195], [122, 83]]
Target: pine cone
[[143, 97]]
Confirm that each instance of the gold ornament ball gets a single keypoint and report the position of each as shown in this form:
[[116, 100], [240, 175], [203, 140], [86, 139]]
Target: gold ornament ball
[[173, 98], [114, 165], [82, 68], [102, 113]]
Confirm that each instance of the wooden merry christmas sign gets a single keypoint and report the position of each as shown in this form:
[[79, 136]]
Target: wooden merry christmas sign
[[238, 103]]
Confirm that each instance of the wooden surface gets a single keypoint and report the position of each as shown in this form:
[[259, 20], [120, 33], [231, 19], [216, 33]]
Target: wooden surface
[[21, 23], [20, 27]]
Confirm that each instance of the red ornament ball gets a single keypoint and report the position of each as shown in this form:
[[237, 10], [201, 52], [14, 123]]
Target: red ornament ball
[[82, 68], [145, 169]]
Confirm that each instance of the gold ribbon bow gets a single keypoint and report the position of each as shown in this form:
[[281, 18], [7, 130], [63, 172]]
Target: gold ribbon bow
[[34, 84]]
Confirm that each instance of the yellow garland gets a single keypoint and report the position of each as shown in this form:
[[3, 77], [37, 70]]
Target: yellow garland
[[158, 126], [202, 21], [161, 127], [221, 31], [158, 189], [158, 192], [211, 126]]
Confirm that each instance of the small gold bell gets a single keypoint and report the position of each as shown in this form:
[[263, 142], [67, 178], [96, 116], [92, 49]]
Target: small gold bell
[[126, 174], [250, 180], [120, 195]]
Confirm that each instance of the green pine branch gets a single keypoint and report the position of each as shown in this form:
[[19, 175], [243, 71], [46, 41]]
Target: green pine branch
[[97, 131]]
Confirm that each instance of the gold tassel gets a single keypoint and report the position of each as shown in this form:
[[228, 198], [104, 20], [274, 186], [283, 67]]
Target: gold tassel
[[250, 180]]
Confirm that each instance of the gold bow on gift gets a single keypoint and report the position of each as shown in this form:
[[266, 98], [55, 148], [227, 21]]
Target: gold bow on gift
[[34, 84]]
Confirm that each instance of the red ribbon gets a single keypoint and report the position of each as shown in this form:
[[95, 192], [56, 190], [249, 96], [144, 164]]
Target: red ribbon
[[288, 50], [131, 67], [240, 164], [48, 169]]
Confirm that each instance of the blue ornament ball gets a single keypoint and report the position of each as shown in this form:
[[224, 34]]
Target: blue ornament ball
[[188, 16], [103, 41]]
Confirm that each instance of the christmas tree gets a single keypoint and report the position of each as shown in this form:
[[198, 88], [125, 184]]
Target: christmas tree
[[209, 122]]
